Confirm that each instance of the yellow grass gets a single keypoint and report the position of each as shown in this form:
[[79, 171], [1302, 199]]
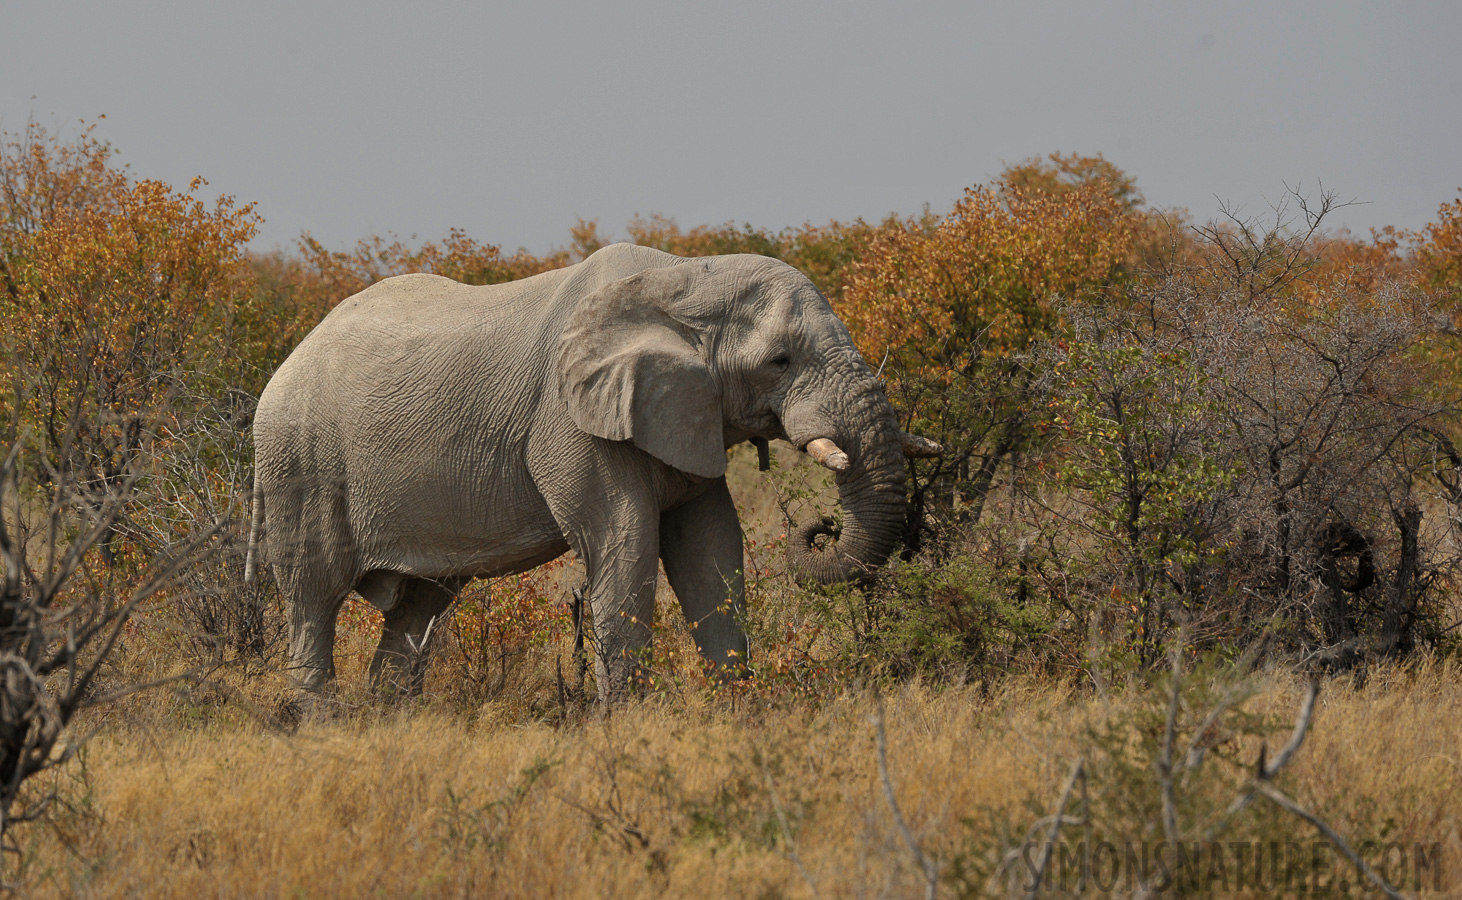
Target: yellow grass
[[200, 792], [693, 795]]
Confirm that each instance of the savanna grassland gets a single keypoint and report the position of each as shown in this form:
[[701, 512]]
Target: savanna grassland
[[1175, 613], [709, 797]]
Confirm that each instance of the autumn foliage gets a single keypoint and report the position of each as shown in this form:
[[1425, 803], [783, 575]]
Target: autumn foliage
[[118, 294], [130, 306], [988, 274], [1439, 249]]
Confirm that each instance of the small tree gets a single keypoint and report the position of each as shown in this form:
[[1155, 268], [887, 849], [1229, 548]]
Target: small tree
[[1142, 478], [117, 296], [61, 617], [952, 309], [1254, 445], [330, 276]]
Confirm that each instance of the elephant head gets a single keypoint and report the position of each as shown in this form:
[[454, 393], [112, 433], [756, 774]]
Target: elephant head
[[689, 359]]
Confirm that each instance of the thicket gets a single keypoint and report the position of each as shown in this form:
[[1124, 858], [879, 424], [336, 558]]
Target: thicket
[[1238, 430], [1220, 434]]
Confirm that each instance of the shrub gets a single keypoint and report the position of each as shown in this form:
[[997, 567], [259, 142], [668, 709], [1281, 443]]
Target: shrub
[[958, 620], [951, 309]]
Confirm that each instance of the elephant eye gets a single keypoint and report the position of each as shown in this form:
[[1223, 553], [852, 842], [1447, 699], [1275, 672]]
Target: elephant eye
[[781, 362]]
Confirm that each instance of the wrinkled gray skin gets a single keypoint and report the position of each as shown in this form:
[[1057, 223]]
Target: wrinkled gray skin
[[428, 432]]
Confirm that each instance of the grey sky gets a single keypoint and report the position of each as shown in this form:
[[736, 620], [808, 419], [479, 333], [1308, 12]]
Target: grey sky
[[513, 120]]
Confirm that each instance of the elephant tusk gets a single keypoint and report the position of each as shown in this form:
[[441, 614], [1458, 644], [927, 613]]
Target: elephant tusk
[[827, 453], [916, 447]]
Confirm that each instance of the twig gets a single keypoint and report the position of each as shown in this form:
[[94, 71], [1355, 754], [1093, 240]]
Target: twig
[[418, 645], [624, 831], [1267, 771], [1165, 758], [581, 659], [1078, 771], [1301, 727], [930, 868], [792, 853], [418, 657], [1264, 775], [878, 376]]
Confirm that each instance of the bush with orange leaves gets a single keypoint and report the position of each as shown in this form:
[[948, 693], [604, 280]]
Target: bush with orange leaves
[[949, 311], [501, 627], [458, 257], [1439, 250], [120, 298], [132, 340], [117, 303]]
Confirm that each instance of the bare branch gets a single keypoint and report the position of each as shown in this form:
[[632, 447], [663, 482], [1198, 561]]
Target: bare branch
[[1078, 772], [1265, 772], [1289, 805], [930, 868], [1165, 755], [1301, 728]]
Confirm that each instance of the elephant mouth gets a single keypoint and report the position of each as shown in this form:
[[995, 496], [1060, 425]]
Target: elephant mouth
[[871, 485], [819, 535]]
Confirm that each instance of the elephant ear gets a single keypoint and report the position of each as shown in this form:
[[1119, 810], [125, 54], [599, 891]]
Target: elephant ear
[[630, 371]]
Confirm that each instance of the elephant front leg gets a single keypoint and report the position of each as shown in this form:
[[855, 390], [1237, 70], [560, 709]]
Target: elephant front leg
[[701, 545], [621, 596], [604, 498]]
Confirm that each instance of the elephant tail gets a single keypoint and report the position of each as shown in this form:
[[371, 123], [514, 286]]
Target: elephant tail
[[256, 523]]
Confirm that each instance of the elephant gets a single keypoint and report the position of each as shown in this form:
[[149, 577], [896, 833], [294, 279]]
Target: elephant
[[428, 432]]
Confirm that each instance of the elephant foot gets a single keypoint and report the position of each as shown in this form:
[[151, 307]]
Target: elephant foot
[[298, 708], [309, 697], [311, 679], [620, 678]]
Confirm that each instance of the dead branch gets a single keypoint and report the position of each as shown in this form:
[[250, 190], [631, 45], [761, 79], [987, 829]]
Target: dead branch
[[1301, 728], [1267, 771], [1058, 817], [1285, 803], [56, 634], [929, 866], [786, 830], [1165, 756]]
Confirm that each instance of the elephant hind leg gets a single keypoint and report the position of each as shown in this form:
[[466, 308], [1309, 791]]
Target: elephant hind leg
[[312, 553], [312, 607], [399, 666]]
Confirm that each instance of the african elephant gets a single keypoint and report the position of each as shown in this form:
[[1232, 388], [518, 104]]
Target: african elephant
[[428, 432]]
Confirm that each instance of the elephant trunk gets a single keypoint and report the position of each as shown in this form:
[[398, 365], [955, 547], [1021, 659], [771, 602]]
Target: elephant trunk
[[870, 479]]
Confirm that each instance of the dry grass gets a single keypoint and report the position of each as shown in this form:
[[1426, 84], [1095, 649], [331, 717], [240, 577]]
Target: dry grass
[[771, 790], [691, 794]]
